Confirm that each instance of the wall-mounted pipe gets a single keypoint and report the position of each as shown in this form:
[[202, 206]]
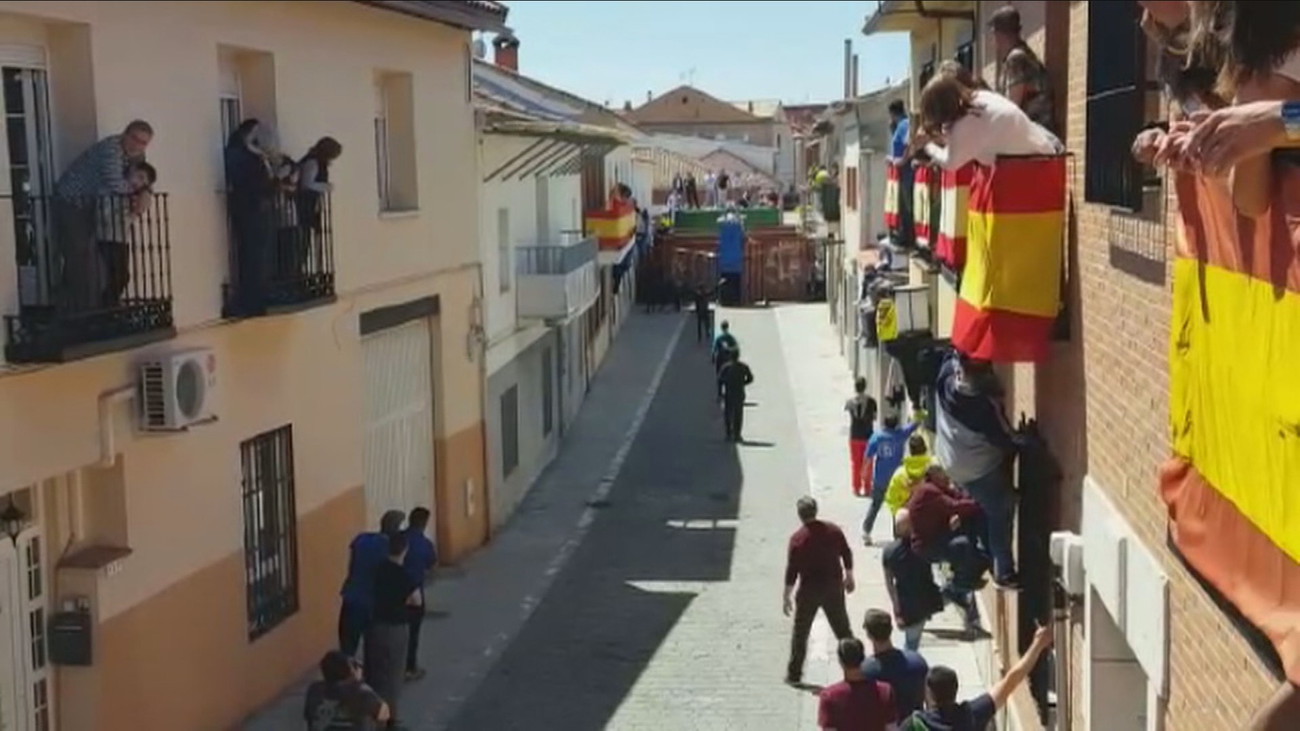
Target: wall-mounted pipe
[[107, 435]]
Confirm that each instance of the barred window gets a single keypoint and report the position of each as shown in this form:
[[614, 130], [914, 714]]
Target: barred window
[[270, 530], [1116, 104]]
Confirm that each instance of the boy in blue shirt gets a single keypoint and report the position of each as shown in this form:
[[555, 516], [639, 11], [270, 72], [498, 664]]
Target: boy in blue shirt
[[885, 453]]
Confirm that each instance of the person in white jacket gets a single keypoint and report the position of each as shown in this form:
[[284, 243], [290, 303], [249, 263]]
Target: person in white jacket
[[960, 125]]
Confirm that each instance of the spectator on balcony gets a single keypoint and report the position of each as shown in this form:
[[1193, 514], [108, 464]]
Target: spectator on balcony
[[976, 125], [313, 186], [692, 191], [1261, 72], [899, 130], [951, 69], [975, 446], [250, 191], [98, 177], [946, 525], [118, 223], [1022, 76]]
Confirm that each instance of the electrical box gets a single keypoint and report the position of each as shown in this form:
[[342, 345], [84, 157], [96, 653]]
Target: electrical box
[[71, 640]]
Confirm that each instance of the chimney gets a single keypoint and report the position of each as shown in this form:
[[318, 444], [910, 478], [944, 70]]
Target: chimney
[[505, 51], [848, 67], [649, 97], [751, 107], [854, 84]]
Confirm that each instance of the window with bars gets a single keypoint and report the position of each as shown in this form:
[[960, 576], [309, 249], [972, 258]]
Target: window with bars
[[1116, 104], [509, 431], [270, 530]]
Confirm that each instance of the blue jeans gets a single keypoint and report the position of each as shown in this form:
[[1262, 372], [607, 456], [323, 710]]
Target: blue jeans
[[877, 500], [912, 637], [995, 496]]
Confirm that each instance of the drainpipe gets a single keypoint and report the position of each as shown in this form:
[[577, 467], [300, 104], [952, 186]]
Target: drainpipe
[[107, 436], [1061, 664]]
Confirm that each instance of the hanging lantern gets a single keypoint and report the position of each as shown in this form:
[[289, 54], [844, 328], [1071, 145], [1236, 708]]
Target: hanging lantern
[[13, 520]]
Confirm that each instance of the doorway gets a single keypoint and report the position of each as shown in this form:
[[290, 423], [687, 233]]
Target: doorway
[[25, 686]]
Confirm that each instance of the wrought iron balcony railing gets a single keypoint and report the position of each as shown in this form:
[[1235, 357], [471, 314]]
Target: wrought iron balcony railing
[[281, 253], [93, 275]]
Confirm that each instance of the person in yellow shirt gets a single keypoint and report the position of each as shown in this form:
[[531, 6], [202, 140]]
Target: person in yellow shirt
[[908, 475]]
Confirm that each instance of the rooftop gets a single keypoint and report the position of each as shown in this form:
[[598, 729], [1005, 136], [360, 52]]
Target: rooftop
[[467, 14]]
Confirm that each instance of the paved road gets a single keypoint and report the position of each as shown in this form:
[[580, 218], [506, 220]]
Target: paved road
[[659, 608]]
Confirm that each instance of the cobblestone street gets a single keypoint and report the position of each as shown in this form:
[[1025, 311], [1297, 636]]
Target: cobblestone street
[[639, 586]]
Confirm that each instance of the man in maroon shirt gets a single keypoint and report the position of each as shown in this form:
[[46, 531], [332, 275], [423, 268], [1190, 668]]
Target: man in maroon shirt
[[945, 523], [821, 565], [856, 704]]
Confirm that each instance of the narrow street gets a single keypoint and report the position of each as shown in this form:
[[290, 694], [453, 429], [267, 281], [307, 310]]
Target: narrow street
[[653, 601]]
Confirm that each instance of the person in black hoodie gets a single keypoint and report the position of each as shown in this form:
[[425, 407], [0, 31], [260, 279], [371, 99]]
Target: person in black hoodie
[[734, 377], [944, 713]]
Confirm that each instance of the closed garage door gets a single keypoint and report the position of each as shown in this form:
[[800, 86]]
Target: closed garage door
[[398, 457]]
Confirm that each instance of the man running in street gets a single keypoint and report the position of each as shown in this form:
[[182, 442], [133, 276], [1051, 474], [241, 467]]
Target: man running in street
[[818, 574], [734, 377]]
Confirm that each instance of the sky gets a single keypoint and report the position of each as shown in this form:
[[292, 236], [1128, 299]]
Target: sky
[[616, 51]]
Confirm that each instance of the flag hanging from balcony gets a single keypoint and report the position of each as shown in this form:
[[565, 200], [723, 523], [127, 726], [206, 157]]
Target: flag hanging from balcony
[[1234, 404], [922, 189], [892, 188], [1011, 284], [950, 244]]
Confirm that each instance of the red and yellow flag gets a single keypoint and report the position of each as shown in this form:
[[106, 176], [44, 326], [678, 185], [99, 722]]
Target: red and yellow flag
[[950, 245], [922, 200], [892, 188], [614, 226], [1234, 404], [1011, 285]]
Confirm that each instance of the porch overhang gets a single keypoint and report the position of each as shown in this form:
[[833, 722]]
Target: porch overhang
[[905, 16], [557, 148]]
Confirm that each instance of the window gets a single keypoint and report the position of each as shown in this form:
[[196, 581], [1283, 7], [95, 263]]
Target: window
[[851, 188], [270, 530], [395, 168], [927, 72], [503, 248], [509, 431], [31, 172], [548, 393], [1116, 104]]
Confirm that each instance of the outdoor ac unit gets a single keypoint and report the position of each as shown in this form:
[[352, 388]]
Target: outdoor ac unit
[[1067, 555], [177, 390]]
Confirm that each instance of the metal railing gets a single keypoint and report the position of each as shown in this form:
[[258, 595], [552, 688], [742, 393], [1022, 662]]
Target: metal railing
[[555, 259], [281, 252], [91, 270]]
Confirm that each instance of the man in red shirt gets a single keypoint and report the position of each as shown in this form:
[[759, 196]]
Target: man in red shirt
[[856, 704], [944, 526], [820, 563]]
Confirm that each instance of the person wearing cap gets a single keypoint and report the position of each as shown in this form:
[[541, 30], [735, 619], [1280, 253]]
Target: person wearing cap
[[367, 553], [1022, 76]]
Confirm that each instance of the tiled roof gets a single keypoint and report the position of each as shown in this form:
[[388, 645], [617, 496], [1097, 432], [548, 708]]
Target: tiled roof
[[765, 108], [468, 14], [544, 101]]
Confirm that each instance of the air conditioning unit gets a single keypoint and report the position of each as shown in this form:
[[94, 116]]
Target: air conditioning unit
[[177, 390]]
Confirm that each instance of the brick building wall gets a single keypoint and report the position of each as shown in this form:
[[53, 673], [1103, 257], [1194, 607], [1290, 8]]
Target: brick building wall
[[1217, 681]]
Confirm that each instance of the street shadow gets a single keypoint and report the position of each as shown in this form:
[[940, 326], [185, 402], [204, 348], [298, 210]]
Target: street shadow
[[666, 528]]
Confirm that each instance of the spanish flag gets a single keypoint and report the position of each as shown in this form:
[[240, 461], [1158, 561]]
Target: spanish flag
[[614, 226], [922, 189], [1234, 404], [893, 187], [1011, 285], [950, 245]]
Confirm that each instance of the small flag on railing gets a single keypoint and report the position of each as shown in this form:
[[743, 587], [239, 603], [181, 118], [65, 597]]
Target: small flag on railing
[[950, 246], [922, 211], [892, 188], [1011, 284]]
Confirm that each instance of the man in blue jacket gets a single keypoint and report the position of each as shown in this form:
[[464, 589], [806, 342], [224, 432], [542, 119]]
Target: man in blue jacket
[[974, 444], [421, 557], [367, 553]]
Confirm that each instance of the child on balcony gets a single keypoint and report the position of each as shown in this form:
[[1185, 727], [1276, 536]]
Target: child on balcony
[[119, 224]]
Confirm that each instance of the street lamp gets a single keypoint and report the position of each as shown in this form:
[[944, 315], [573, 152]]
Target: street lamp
[[13, 520]]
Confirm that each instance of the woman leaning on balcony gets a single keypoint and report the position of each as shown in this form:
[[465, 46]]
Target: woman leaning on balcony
[[960, 124]]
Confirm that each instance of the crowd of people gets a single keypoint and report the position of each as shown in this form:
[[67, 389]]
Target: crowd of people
[[721, 189], [276, 207], [381, 614]]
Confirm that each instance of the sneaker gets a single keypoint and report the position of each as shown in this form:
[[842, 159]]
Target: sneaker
[[868, 541], [793, 679], [1008, 583]]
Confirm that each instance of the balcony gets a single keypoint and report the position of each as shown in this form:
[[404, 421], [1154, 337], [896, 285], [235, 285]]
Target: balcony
[[556, 281], [93, 275], [281, 255]]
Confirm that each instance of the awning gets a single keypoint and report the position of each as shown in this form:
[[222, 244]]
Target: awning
[[558, 147], [901, 16]]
